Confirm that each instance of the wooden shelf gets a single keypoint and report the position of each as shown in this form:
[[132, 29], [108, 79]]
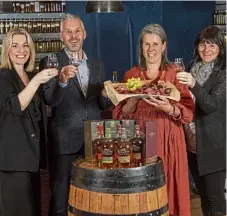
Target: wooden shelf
[[38, 35], [52, 15], [40, 55], [221, 26]]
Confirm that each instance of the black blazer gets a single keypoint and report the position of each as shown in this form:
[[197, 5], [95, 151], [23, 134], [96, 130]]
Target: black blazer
[[70, 108], [210, 123], [19, 143]]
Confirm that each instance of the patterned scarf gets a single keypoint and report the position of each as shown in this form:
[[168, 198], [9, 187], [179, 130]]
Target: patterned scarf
[[201, 72]]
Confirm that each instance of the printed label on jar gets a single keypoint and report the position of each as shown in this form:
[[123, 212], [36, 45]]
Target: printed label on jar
[[107, 160], [124, 159]]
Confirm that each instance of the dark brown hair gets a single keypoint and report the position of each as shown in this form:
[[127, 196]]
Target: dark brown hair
[[211, 34]]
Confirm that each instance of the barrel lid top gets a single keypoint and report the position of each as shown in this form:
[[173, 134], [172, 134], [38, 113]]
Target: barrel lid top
[[86, 164]]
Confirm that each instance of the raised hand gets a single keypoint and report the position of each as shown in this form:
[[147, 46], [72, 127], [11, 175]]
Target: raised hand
[[67, 73], [45, 75], [186, 78]]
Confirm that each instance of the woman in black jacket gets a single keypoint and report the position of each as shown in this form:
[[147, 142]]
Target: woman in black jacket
[[206, 136], [22, 122]]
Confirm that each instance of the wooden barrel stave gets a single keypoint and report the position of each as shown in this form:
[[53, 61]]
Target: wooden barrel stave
[[88, 197]]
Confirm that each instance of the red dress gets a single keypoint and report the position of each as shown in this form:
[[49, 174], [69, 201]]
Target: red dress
[[171, 139]]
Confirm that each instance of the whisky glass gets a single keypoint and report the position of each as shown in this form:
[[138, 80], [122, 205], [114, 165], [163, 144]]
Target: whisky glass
[[52, 61], [180, 64], [74, 60]]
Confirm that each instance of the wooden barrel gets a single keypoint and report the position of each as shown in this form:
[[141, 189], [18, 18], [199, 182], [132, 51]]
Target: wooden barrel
[[139, 191]]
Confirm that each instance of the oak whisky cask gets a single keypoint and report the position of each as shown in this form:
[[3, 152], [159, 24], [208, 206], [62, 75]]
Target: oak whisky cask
[[139, 191]]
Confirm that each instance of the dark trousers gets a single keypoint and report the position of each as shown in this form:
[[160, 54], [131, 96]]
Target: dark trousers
[[36, 188], [210, 187], [60, 173], [16, 196]]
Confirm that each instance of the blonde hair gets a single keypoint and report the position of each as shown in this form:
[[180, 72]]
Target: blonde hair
[[7, 44], [69, 16], [152, 29]]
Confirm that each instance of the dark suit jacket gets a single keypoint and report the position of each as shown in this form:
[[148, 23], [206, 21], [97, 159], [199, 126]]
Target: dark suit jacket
[[19, 143], [70, 108], [210, 122]]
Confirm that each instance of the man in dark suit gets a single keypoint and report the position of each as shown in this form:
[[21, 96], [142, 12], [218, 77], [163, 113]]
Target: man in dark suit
[[75, 96]]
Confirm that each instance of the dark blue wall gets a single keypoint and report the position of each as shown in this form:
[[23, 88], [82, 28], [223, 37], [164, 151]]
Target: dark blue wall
[[182, 22], [113, 37]]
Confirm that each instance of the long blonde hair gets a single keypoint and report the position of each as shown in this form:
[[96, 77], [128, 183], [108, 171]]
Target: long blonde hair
[[7, 44]]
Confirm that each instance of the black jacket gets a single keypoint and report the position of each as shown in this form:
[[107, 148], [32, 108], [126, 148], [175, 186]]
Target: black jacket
[[19, 143], [70, 108], [210, 122]]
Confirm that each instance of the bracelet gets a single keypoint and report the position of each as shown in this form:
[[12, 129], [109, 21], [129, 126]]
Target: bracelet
[[173, 112]]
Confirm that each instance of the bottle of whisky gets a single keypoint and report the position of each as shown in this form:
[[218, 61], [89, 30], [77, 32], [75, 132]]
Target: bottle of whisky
[[114, 78], [2, 27], [97, 146], [124, 151], [138, 143], [108, 151], [117, 138]]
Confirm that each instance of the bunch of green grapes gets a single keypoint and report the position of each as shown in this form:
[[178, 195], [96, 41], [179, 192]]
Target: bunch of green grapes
[[133, 83]]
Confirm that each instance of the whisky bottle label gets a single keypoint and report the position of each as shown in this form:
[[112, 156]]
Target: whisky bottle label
[[107, 152], [124, 159], [137, 156], [123, 152], [136, 148], [123, 155], [107, 160]]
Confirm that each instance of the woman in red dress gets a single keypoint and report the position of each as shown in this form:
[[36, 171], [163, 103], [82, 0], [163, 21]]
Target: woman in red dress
[[170, 117]]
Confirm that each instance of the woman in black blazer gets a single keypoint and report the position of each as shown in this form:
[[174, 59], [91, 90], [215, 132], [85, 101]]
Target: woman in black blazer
[[22, 122], [206, 136]]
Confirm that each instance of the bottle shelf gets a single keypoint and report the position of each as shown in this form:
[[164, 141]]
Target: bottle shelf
[[39, 55], [51, 15], [41, 19], [38, 35], [220, 7], [42, 55], [221, 26]]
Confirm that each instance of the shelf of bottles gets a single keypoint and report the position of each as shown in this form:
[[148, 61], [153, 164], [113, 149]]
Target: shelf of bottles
[[219, 16], [39, 6], [41, 19]]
